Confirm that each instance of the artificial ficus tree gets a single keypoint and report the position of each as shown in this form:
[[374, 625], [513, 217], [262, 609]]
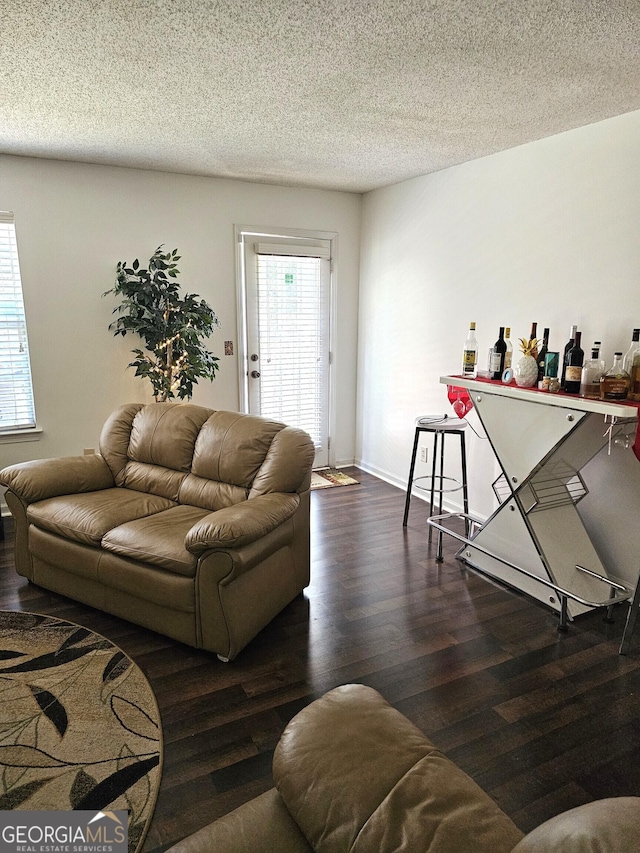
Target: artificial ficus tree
[[173, 327]]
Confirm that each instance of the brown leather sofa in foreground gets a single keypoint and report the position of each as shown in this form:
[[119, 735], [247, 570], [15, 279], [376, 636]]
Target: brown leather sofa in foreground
[[353, 775], [191, 522]]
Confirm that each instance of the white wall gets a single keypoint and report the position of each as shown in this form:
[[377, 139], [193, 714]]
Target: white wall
[[75, 221], [549, 232]]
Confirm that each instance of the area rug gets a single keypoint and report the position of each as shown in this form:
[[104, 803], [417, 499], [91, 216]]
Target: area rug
[[328, 477], [79, 723]]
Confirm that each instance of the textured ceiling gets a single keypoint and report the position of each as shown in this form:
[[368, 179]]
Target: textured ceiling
[[340, 94]]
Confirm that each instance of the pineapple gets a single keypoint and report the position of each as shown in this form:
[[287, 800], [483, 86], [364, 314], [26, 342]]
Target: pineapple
[[526, 370]]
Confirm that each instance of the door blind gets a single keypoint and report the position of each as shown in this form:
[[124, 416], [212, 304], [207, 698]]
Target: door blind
[[17, 410], [293, 340]]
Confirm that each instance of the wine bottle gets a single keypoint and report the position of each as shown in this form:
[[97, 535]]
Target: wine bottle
[[542, 353], [498, 352], [573, 367], [470, 354], [614, 385], [533, 349], [567, 347], [508, 356], [592, 371]]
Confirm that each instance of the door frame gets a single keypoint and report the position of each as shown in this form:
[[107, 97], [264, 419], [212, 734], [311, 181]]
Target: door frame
[[240, 232]]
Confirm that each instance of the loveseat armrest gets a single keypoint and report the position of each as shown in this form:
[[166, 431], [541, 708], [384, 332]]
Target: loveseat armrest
[[356, 775], [241, 524], [261, 825], [47, 478]]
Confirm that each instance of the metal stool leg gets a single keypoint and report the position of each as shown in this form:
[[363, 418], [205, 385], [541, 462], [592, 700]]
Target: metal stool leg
[[465, 491], [433, 481], [441, 473], [410, 482], [440, 490]]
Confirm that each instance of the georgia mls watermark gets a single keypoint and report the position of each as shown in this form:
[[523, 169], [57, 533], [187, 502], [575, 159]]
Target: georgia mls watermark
[[64, 832]]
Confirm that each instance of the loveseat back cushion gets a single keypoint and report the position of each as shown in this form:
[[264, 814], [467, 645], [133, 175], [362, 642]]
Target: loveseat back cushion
[[232, 446], [358, 776], [150, 447]]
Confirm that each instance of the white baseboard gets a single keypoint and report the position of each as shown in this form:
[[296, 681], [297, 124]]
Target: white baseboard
[[448, 505]]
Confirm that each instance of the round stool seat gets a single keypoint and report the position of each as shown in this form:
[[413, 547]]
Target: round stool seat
[[439, 423]]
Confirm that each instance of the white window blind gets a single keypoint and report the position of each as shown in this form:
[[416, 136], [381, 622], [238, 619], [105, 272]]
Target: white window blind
[[17, 410], [292, 298]]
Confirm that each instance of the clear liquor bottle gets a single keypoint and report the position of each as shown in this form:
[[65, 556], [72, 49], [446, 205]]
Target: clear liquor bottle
[[508, 356], [627, 361], [615, 383], [592, 371], [470, 354], [631, 364]]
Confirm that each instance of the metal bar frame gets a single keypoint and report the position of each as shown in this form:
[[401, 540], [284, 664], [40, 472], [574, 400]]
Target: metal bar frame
[[625, 593]]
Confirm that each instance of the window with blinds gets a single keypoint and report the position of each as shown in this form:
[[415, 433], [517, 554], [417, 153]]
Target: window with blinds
[[17, 410], [292, 294]]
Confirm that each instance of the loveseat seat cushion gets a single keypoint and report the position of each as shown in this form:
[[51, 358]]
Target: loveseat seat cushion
[[158, 539], [88, 516], [414, 797]]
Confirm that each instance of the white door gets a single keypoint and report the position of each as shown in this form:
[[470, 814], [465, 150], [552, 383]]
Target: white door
[[287, 307]]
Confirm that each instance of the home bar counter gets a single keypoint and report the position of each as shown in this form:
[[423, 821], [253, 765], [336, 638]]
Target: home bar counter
[[536, 541]]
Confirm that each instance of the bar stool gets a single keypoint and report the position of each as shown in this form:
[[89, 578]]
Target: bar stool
[[439, 426]]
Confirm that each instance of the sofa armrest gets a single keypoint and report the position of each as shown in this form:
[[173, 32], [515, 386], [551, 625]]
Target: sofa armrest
[[603, 826], [356, 775], [241, 524], [47, 478]]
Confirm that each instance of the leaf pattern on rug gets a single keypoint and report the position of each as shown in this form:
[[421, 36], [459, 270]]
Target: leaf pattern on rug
[[82, 784], [134, 719], [16, 796], [51, 659], [79, 724], [117, 783], [118, 664], [52, 709]]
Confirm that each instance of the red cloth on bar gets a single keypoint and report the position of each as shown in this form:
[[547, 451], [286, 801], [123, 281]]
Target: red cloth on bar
[[457, 399]]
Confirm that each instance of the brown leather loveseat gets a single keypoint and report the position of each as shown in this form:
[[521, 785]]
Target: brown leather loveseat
[[191, 522], [353, 775]]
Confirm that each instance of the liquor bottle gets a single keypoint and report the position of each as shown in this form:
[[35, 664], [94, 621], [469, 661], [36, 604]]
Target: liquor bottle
[[627, 361], [470, 354], [592, 371], [567, 347], [508, 356], [614, 385], [542, 353], [573, 367], [498, 351], [533, 340], [631, 363], [603, 365]]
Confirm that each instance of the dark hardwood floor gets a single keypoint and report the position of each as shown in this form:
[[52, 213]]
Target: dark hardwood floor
[[542, 721]]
